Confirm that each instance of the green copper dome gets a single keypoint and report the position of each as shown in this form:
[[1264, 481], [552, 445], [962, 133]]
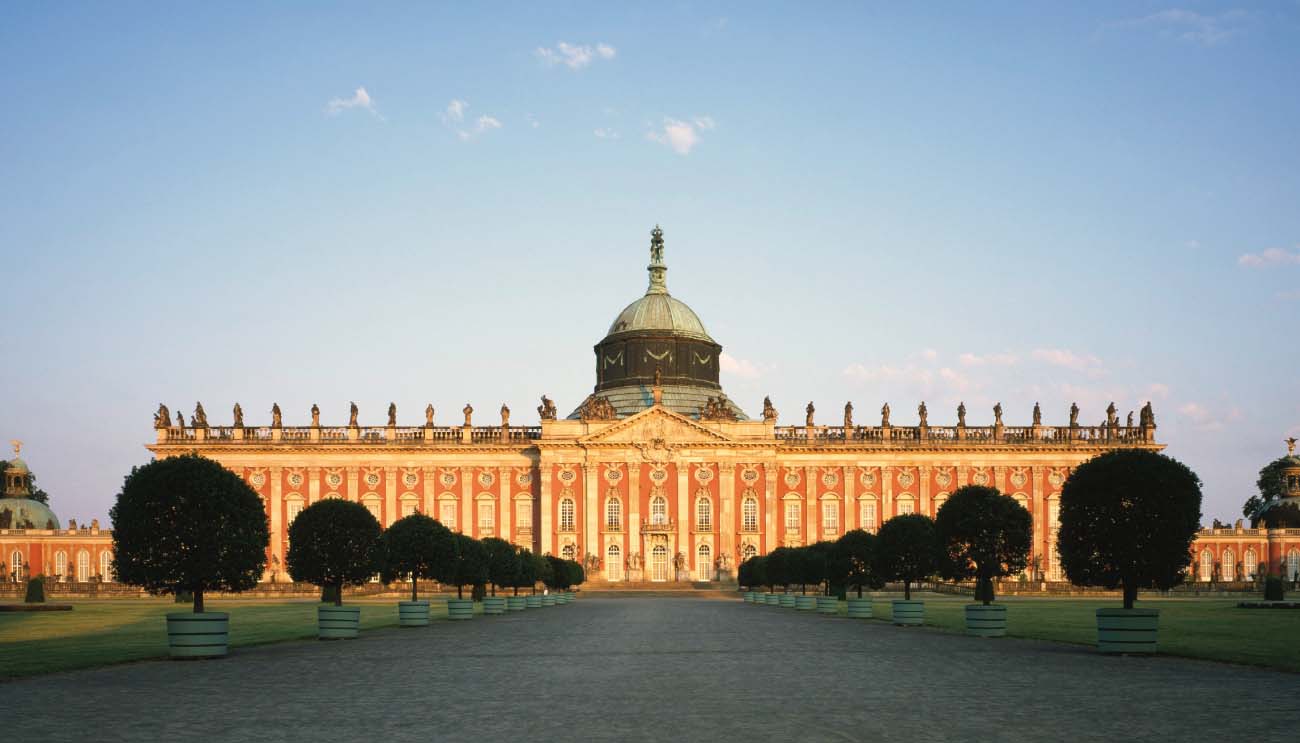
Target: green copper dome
[[21, 513], [659, 312]]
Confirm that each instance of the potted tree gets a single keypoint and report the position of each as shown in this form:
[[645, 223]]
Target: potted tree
[[415, 546], [798, 558], [817, 570], [468, 567], [1128, 519], [187, 524], [577, 576], [907, 551], [778, 575], [541, 574], [524, 577], [555, 580], [751, 576], [502, 566], [984, 535], [334, 543], [852, 563]]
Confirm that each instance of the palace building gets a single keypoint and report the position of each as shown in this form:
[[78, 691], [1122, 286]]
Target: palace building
[[657, 475]]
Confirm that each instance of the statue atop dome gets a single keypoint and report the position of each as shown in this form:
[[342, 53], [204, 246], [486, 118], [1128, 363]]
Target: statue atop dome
[[657, 268]]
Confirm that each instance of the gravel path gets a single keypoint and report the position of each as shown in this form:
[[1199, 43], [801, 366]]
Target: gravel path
[[662, 669]]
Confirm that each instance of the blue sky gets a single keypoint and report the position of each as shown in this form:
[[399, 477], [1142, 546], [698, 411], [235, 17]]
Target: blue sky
[[300, 204]]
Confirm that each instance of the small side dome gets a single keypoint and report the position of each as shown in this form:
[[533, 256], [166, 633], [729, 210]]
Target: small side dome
[[22, 513]]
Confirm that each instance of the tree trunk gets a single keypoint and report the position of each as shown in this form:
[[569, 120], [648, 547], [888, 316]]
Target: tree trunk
[[413, 582], [494, 589], [859, 590], [1130, 595], [460, 591], [198, 600], [907, 590], [516, 590], [338, 594]]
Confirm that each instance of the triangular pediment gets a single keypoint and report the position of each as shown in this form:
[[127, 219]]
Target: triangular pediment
[[656, 424]]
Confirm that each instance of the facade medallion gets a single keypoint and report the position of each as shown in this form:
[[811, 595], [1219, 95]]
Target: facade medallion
[[372, 479], [411, 479], [659, 475], [447, 478], [613, 474], [906, 478], [295, 479], [981, 477], [943, 476], [1056, 477], [703, 475], [524, 479], [1019, 478], [567, 475], [792, 478], [485, 479], [257, 479], [749, 476], [830, 478], [867, 478], [334, 479]]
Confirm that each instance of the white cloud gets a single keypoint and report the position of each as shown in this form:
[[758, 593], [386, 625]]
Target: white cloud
[[992, 359], [1270, 257], [929, 354], [360, 99], [1203, 419], [603, 133], [1190, 26], [681, 136], [575, 56], [454, 117], [1068, 359], [455, 111], [1158, 390], [532, 120], [742, 368]]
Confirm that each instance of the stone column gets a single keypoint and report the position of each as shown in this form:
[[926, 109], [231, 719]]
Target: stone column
[[923, 474], [886, 495], [1000, 478], [812, 505], [390, 495], [313, 485], [1039, 514], [633, 504], [963, 475]]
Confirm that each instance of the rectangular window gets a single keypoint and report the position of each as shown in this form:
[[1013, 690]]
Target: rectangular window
[[792, 516], [830, 516], [486, 515], [566, 515], [869, 516], [447, 513], [293, 509], [905, 507], [749, 515], [408, 507], [524, 515]]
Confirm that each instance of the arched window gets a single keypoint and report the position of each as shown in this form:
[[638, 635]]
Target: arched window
[[747, 552], [749, 514], [410, 504], [868, 514], [567, 552], [613, 514], [1054, 513], [16, 565], [659, 510], [61, 565], [906, 505], [106, 566], [659, 563], [1207, 565], [703, 514], [1293, 563], [792, 516], [613, 563], [1250, 563], [83, 566], [1229, 566], [704, 562], [524, 514], [939, 500], [830, 516], [447, 513], [566, 514], [487, 514], [373, 505]]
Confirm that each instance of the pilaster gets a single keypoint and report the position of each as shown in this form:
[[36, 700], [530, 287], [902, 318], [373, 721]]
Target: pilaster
[[726, 524], [681, 534], [923, 474], [390, 495], [591, 507], [505, 510], [465, 523], [545, 472], [852, 514], [353, 482], [313, 485], [277, 521], [430, 490]]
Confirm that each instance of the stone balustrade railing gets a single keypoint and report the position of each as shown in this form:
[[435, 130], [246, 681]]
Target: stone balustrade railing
[[367, 435], [965, 435]]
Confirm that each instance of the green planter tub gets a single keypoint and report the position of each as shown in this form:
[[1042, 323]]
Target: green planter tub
[[771, 599], [1127, 630], [413, 613], [338, 622], [562, 598], [460, 608], [986, 621], [494, 605], [860, 608], [828, 605], [202, 635], [908, 613], [533, 602], [548, 599], [805, 603], [571, 597], [748, 597], [786, 600], [516, 603]]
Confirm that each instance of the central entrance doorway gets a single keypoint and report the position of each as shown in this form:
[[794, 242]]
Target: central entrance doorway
[[659, 563]]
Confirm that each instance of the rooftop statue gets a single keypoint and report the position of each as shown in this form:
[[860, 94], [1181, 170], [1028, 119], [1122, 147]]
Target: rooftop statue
[[597, 409], [392, 414], [180, 420], [1130, 419], [1074, 415], [997, 414], [505, 415], [428, 415], [884, 416], [716, 409], [848, 414], [546, 411], [276, 421], [468, 410], [769, 412], [18, 446], [1038, 415], [163, 418], [352, 415], [315, 415], [1146, 417], [924, 414], [656, 245], [1290, 446], [808, 414], [239, 416], [961, 415], [1112, 414], [200, 416]]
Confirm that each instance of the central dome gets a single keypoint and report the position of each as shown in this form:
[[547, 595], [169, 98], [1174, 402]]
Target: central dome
[[659, 312]]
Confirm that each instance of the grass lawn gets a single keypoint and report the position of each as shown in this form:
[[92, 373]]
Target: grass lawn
[[1213, 629], [97, 633]]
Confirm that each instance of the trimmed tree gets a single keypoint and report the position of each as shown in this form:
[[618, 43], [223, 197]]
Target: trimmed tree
[[907, 550], [559, 574], [415, 545], [468, 566], [852, 561], [187, 524], [334, 543], [525, 570], [779, 564], [1128, 519], [502, 562], [577, 574], [984, 535], [542, 570], [815, 565], [752, 573]]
